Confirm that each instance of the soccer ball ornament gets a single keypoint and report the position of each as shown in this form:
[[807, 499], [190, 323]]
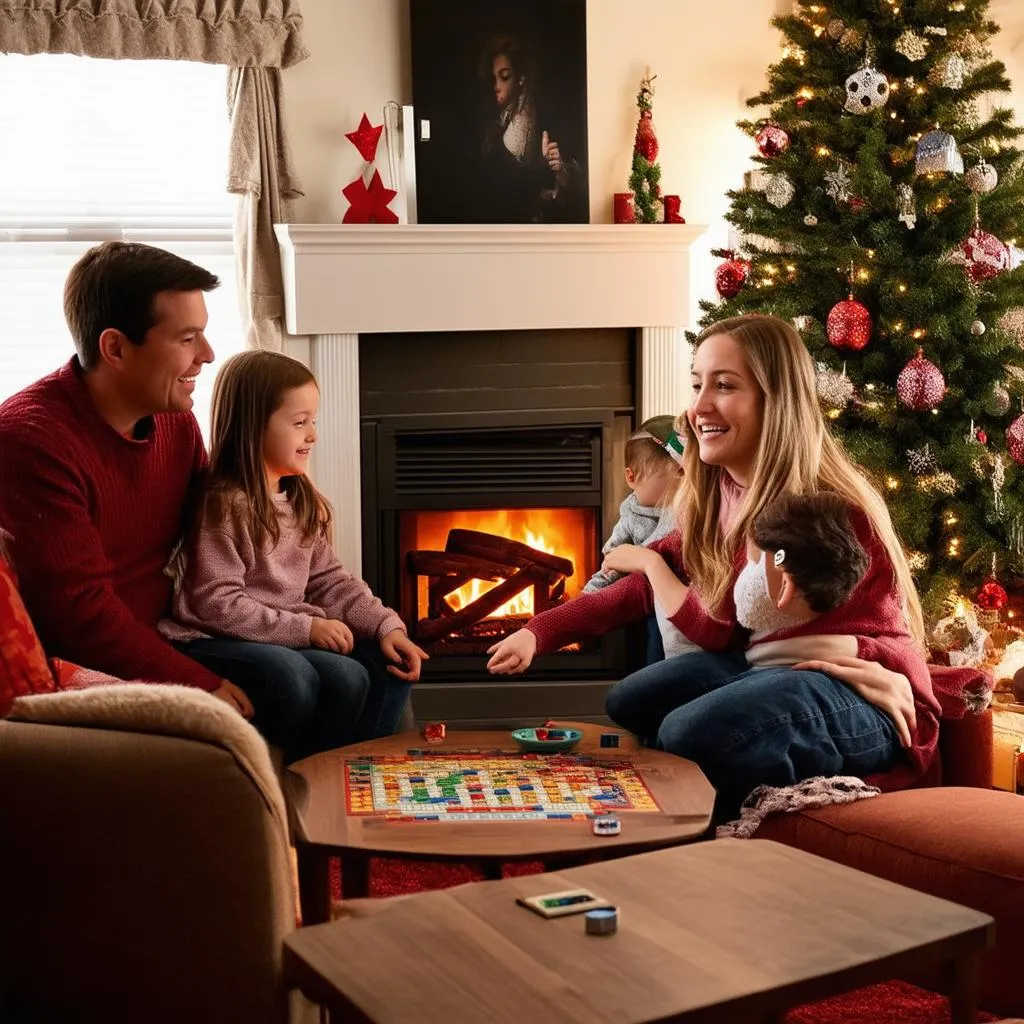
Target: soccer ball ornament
[[992, 596], [1015, 440], [772, 140], [984, 255], [849, 325], [730, 277], [920, 385], [866, 90], [981, 178]]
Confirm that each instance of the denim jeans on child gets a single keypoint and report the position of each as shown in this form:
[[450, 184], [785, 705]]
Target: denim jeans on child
[[747, 727], [307, 701]]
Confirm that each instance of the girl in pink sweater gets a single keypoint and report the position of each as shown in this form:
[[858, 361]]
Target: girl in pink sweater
[[755, 433], [264, 600]]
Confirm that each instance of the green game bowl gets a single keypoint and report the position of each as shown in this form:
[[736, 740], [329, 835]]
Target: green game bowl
[[566, 740]]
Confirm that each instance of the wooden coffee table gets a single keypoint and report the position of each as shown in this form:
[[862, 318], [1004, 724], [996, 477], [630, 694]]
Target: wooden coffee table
[[713, 933], [324, 828]]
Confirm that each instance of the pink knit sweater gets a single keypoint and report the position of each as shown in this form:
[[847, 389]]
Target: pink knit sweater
[[231, 589]]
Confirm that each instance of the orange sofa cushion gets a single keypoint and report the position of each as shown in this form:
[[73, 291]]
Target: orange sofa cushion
[[23, 667]]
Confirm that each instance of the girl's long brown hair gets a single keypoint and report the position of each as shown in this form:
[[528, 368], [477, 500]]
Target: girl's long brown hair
[[249, 389], [796, 455]]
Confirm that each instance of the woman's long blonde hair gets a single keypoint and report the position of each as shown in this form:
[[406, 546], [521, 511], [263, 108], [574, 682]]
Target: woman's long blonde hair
[[249, 389], [796, 454]]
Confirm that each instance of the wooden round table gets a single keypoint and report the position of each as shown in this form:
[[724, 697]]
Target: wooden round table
[[324, 828]]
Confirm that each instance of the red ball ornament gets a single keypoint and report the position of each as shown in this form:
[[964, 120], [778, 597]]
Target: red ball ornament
[[772, 140], [920, 385], [982, 437], [984, 255], [849, 325], [730, 277], [992, 596], [1015, 440]]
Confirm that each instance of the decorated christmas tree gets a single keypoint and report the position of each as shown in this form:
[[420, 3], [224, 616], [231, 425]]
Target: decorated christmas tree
[[645, 177], [884, 223]]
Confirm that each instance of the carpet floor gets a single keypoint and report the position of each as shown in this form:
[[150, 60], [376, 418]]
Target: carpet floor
[[895, 1002]]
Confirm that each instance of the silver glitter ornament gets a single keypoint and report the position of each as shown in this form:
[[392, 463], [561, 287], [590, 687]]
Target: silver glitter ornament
[[912, 46], [948, 72], [938, 483], [810, 220], [981, 178], [779, 190], [977, 328], [834, 389], [905, 208], [937, 153], [851, 41], [920, 460], [998, 402], [837, 184], [866, 90], [835, 28], [802, 323], [1012, 323]]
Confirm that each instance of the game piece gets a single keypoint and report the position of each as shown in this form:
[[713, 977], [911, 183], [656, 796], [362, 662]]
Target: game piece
[[434, 732], [603, 921], [559, 904], [609, 739], [608, 825], [541, 733], [461, 786]]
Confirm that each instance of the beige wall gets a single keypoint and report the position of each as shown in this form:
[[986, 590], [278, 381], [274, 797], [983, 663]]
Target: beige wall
[[709, 56]]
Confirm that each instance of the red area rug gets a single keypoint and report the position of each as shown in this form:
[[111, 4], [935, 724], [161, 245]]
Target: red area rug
[[895, 1002]]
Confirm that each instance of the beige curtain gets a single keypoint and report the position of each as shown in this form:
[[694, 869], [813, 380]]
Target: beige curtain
[[255, 38], [261, 173], [243, 33]]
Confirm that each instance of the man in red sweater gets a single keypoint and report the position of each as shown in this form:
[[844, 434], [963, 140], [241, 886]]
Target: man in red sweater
[[98, 463]]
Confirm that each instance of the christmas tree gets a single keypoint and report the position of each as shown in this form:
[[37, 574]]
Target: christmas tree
[[645, 177], [883, 224]]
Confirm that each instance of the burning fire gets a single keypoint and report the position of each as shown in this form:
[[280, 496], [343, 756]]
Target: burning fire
[[567, 532]]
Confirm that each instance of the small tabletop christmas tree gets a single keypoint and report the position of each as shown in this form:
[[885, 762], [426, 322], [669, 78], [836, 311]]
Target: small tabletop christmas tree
[[645, 179]]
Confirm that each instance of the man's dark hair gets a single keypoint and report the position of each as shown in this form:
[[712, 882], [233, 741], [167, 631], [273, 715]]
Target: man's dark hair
[[822, 552], [114, 286]]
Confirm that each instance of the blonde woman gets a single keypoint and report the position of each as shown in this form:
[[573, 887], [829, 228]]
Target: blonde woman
[[754, 433]]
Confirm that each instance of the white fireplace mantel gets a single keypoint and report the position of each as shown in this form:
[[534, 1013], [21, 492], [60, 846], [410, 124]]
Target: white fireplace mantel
[[341, 281]]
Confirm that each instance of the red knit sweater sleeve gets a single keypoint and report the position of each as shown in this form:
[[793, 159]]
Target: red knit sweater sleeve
[[65, 574]]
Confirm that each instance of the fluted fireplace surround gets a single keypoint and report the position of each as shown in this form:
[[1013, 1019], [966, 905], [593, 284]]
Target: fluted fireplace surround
[[349, 280]]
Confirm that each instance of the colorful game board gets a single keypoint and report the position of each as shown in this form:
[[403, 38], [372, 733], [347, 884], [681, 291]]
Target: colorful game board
[[489, 787]]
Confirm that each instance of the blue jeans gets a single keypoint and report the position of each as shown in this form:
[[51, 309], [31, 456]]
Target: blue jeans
[[747, 727], [309, 701]]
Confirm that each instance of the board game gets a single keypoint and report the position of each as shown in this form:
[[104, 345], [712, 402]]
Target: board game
[[488, 787]]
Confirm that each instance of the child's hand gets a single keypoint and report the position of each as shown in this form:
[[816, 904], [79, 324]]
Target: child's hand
[[331, 635], [628, 558], [406, 655], [513, 654]]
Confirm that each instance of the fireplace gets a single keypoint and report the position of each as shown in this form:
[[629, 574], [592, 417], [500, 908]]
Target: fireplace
[[478, 517], [350, 287]]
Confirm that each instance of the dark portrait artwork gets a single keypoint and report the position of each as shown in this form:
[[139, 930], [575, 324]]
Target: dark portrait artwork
[[500, 102]]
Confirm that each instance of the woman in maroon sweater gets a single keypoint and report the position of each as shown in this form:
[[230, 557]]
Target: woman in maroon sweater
[[755, 432]]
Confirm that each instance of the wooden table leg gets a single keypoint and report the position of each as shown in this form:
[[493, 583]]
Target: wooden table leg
[[355, 876], [963, 993], [314, 884]]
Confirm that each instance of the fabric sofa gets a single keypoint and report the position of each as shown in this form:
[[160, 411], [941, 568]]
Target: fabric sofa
[[146, 860]]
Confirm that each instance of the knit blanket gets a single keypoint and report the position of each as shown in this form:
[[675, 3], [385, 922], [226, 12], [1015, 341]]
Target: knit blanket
[[804, 796]]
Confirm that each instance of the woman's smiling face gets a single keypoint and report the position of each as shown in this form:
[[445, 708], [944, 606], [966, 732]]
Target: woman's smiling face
[[728, 407]]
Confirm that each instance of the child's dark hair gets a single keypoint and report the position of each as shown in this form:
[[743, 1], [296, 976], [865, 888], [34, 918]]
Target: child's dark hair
[[249, 389], [822, 553], [645, 450]]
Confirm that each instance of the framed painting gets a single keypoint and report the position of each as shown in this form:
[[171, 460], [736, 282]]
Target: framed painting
[[500, 105]]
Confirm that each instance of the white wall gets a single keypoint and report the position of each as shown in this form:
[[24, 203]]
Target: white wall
[[709, 56]]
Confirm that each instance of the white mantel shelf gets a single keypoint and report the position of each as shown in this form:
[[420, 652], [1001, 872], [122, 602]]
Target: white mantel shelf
[[379, 278]]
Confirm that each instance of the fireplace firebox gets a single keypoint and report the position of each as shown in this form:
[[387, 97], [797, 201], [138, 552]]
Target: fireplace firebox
[[476, 519]]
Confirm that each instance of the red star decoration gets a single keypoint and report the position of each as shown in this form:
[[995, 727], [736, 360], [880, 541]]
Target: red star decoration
[[365, 138], [369, 205]]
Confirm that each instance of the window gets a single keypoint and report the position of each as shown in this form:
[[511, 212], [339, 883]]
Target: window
[[101, 149]]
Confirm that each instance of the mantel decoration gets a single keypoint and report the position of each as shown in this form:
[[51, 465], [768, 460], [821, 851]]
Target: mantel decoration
[[368, 204]]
